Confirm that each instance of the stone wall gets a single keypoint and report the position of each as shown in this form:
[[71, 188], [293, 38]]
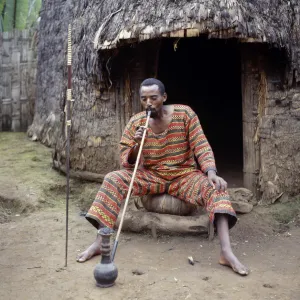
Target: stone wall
[[17, 80]]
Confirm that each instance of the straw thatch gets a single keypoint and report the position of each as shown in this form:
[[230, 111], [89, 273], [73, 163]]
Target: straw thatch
[[270, 21], [108, 24]]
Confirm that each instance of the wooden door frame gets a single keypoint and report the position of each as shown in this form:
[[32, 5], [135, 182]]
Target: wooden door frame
[[250, 98]]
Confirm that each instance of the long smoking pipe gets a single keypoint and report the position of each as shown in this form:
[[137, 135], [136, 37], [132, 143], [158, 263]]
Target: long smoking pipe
[[148, 112]]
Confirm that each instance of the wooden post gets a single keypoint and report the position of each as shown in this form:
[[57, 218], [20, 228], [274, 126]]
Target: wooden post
[[24, 81], [6, 103], [15, 92], [128, 99], [6, 114], [250, 95]]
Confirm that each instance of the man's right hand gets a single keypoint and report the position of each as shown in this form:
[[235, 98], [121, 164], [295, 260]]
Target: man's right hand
[[138, 139], [139, 135]]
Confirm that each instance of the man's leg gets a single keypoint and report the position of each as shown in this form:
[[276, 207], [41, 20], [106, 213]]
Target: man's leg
[[91, 251], [195, 188], [223, 216], [106, 207], [227, 258]]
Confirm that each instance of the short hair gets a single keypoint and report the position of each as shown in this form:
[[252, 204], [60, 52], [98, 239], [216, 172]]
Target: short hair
[[153, 81]]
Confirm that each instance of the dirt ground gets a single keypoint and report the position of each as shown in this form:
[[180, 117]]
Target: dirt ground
[[32, 241]]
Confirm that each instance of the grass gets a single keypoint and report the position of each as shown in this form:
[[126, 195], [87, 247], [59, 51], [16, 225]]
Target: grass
[[28, 182], [284, 213]]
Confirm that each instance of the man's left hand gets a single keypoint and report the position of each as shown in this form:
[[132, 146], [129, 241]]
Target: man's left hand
[[217, 182]]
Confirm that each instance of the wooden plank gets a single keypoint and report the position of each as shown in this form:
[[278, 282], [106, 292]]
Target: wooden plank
[[121, 101], [15, 126], [128, 99], [1, 129], [6, 114], [24, 114], [139, 76], [15, 90], [6, 83], [16, 116], [250, 156], [82, 175], [118, 111], [16, 79], [24, 80], [251, 151]]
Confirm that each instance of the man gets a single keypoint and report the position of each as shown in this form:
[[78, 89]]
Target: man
[[173, 143]]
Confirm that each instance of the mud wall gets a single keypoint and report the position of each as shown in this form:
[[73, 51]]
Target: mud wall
[[93, 133], [280, 145], [278, 114], [104, 88]]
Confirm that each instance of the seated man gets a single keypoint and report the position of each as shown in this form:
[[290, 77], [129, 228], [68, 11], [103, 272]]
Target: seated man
[[174, 139]]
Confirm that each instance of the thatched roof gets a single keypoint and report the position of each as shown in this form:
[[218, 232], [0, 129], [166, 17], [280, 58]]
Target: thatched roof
[[273, 21], [108, 24]]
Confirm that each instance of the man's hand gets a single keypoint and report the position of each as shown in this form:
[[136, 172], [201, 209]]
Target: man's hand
[[138, 139], [217, 182], [139, 135]]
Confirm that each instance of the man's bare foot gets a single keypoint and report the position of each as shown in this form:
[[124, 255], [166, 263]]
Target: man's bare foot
[[227, 258], [91, 251]]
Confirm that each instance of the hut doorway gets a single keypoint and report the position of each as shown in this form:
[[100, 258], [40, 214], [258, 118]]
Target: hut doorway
[[206, 75]]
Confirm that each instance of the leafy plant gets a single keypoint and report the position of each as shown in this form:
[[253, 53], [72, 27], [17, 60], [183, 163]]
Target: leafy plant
[[8, 14], [19, 14]]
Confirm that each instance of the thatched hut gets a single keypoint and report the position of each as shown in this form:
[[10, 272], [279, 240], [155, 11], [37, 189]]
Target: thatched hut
[[235, 62]]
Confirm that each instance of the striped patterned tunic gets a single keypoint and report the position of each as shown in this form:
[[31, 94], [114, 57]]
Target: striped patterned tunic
[[174, 152]]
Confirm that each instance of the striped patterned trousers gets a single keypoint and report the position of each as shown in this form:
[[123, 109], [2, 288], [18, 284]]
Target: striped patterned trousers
[[192, 187]]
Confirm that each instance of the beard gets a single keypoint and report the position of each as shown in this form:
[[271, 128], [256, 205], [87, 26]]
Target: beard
[[154, 113]]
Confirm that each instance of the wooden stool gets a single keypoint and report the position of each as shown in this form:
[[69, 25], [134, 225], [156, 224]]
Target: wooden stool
[[167, 204]]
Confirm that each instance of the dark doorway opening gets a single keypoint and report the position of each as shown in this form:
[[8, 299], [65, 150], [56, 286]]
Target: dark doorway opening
[[206, 75]]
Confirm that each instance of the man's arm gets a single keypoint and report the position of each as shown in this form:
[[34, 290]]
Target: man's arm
[[133, 154], [130, 144], [199, 144], [138, 139], [203, 152]]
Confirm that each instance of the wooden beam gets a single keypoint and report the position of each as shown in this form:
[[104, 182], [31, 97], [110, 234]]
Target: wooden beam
[[144, 221], [83, 175]]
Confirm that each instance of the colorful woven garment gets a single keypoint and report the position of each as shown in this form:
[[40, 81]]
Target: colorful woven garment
[[168, 165]]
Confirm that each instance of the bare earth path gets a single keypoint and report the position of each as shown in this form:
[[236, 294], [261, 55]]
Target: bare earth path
[[32, 260], [32, 257]]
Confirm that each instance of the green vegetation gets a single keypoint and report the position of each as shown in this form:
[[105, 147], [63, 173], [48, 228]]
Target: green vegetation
[[284, 213], [28, 182], [19, 14]]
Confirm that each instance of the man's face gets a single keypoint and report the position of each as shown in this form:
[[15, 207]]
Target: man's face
[[152, 99]]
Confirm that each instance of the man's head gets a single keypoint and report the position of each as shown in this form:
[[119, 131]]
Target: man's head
[[152, 95], [153, 81]]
